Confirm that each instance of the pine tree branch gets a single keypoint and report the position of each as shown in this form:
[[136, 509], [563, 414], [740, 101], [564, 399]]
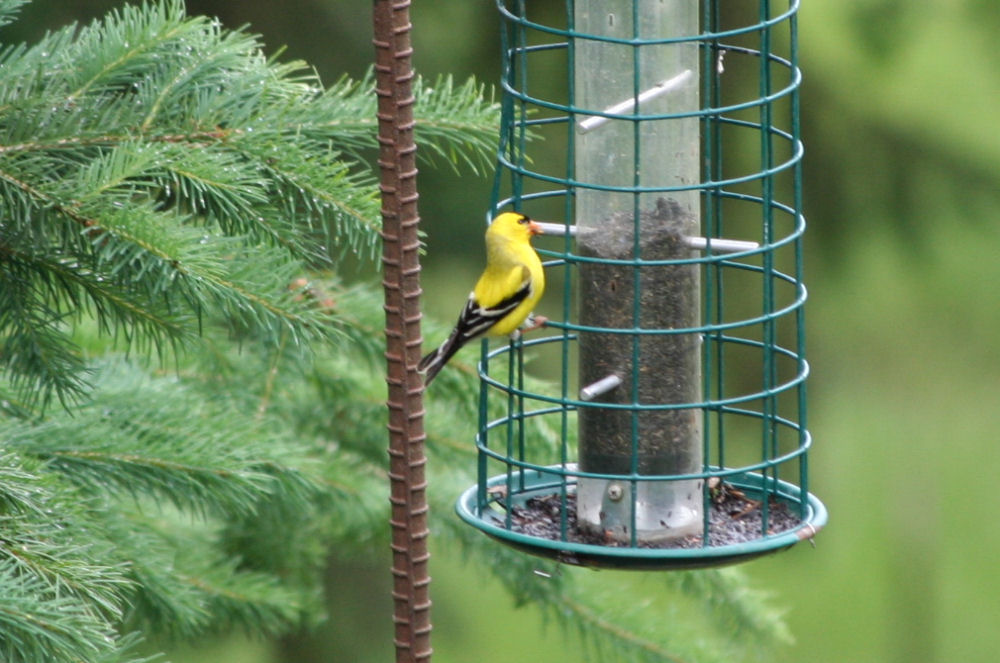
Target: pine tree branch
[[195, 139], [587, 619], [741, 610], [148, 28], [51, 629], [40, 360], [160, 179], [65, 571], [9, 10]]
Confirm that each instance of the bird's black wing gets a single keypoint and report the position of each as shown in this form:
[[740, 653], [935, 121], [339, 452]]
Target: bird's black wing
[[475, 320]]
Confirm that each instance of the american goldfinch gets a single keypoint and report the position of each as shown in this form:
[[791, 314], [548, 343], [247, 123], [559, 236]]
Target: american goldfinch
[[505, 294]]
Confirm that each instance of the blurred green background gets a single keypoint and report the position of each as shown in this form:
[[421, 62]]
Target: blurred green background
[[901, 120]]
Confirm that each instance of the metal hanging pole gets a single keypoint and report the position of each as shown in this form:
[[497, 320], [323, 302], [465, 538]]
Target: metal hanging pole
[[401, 279]]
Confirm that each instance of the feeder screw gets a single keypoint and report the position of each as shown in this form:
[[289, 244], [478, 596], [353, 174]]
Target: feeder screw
[[615, 492]]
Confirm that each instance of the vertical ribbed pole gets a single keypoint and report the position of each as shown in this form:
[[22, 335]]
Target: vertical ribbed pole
[[401, 280]]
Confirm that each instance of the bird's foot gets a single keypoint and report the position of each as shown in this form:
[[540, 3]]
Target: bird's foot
[[533, 322]]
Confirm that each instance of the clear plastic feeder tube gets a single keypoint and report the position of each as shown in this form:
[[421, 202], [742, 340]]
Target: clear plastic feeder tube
[[626, 210]]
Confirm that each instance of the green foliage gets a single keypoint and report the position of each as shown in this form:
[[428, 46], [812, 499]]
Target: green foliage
[[167, 191], [188, 392], [155, 167]]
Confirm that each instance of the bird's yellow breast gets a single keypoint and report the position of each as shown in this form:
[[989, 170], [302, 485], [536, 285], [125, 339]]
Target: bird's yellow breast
[[509, 262]]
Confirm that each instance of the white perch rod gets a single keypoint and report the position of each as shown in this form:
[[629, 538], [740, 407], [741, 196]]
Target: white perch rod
[[602, 386], [591, 123], [696, 243]]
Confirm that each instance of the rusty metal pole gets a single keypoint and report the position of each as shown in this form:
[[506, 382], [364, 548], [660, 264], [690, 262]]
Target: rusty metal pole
[[401, 280]]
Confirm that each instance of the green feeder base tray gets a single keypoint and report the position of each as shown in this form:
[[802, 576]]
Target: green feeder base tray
[[539, 483]]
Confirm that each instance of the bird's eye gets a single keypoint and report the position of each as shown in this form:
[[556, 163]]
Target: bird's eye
[[523, 220]]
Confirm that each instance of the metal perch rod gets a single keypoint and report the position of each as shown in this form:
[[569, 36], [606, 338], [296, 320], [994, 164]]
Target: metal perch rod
[[602, 386], [696, 243], [591, 123]]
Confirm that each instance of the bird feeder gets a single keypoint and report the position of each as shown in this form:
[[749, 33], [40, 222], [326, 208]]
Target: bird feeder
[[660, 141]]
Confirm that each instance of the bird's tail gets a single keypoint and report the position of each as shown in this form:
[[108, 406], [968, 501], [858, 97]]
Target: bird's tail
[[434, 361]]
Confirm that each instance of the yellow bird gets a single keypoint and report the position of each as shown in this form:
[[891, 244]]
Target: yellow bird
[[505, 294]]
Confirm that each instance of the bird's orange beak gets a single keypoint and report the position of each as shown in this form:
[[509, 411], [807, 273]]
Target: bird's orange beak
[[535, 228]]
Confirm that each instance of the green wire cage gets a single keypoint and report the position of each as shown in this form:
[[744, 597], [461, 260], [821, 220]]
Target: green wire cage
[[665, 135]]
